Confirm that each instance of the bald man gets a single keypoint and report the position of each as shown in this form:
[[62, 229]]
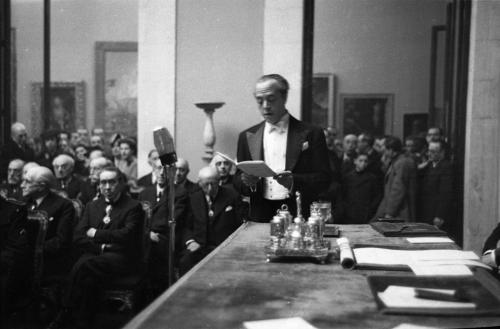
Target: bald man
[[181, 181], [36, 186], [67, 182], [15, 148], [212, 217]]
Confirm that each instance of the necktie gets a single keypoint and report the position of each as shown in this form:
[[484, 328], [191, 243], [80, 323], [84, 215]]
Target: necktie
[[107, 219], [274, 128], [210, 209], [158, 196]]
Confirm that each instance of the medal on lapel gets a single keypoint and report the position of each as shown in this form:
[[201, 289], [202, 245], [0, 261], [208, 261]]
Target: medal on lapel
[[107, 219]]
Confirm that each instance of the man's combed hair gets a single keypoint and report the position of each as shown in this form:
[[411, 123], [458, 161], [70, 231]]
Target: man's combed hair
[[283, 84], [393, 143], [122, 179]]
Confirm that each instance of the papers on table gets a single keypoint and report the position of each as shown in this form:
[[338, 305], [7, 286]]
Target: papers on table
[[430, 239], [286, 323], [424, 269], [405, 297], [389, 258]]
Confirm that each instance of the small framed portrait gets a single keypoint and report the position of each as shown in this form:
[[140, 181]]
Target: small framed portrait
[[67, 107], [323, 100], [370, 113]]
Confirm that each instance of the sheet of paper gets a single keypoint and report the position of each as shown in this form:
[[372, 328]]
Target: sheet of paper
[[470, 262], [383, 256], [286, 323], [256, 168], [424, 269], [430, 239], [404, 297], [412, 326]]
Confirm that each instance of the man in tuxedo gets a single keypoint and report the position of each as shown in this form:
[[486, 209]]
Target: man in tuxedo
[[67, 183], [436, 188], [400, 189], [296, 151], [109, 238], [12, 188], [149, 179], [36, 186], [15, 148], [90, 187], [181, 180], [212, 217]]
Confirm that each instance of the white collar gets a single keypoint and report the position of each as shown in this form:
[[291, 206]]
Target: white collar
[[281, 125]]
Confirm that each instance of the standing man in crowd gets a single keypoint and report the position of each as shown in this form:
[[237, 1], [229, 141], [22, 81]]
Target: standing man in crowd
[[181, 181], [150, 179], [15, 148], [294, 150], [400, 187]]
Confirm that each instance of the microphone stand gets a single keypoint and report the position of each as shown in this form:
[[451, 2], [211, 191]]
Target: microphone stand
[[170, 171]]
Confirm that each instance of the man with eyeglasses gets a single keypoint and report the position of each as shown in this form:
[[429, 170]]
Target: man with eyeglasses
[[109, 238], [36, 185], [11, 189]]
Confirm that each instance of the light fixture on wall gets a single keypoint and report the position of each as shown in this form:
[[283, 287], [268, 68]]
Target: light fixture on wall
[[209, 130]]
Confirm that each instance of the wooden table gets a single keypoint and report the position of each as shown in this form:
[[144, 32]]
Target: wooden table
[[235, 284]]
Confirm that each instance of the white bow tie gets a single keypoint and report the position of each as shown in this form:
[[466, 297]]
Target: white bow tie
[[278, 129]]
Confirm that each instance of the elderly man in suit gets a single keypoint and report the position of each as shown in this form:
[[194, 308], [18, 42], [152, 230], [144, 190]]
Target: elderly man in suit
[[12, 187], [36, 186], [154, 193], [296, 151], [90, 188], [436, 188], [67, 182], [15, 148], [181, 181], [212, 217], [400, 187], [109, 238]]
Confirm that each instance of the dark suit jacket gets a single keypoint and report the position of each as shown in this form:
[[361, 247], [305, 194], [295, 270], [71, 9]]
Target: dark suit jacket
[[11, 151], [61, 215], [122, 235], [361, 197], [491, 243], [11, 191], [187, 187], [14, 243], [210, 232], [436, 193], [149, 195], [146, 180], [71, 189], [400, 189], [306, 158], [87, 192]]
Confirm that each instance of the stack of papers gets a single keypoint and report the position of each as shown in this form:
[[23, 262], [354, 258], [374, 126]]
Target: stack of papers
[[286, 323]]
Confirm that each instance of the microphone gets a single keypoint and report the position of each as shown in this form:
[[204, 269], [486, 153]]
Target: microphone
[[164, 144]]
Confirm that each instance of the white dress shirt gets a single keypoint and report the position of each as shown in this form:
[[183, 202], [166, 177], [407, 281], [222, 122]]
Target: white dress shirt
[[275, 138]]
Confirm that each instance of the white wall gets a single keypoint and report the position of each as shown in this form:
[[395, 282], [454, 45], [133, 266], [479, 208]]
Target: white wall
[[75, 27], [219, 58], [378, 47]]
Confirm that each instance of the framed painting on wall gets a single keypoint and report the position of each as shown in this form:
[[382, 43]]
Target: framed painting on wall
[[116, 87], [371, 113], [67, 110], [323, 100], [415, 124]]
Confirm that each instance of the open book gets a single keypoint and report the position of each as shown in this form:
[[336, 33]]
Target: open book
[[255, 167]]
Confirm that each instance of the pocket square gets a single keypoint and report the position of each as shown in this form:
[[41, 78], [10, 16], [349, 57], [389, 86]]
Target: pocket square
[[228, 208], [305, 146]]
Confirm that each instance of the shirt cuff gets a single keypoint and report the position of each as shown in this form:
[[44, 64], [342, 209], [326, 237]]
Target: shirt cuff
[[189, 241], [491, 252]]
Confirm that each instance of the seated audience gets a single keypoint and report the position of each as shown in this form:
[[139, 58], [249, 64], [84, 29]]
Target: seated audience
[[96, 141], [436, 189], [149, 179], [154, 193], [90, 188], [67, 182], [83, 136], [109, 238], [114, 142], [362, 193], [37, 185], [15, 256], [96, 153], [128, 162], [74, 140], [27, 166], [12, 188], [181, 180], [15, 148], [400, 187], [212, 217]]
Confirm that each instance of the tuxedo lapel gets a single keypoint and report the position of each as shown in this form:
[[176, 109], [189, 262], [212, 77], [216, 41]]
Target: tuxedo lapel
[[254, 140], [295, 141]]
